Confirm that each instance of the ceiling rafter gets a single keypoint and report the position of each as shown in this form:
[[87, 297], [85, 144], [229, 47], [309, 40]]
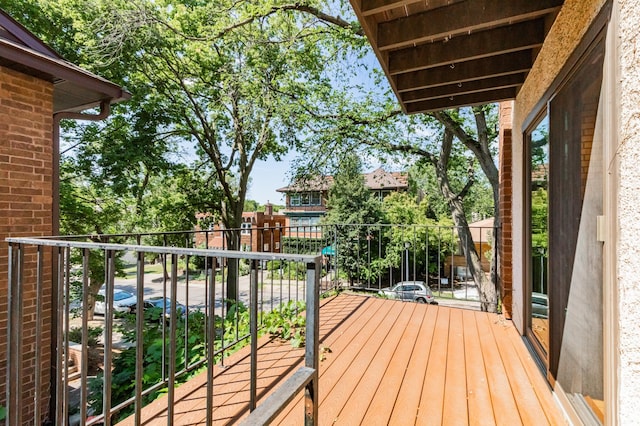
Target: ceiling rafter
[[441, 54], [460, 88], [512, 63], [460, 101], [371, 7], [470, 16], [475, 46]]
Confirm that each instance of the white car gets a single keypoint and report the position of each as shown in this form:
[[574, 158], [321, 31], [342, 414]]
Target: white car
[[416, 291], [122, 301]]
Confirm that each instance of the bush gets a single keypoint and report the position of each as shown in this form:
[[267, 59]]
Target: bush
[[75, 335]]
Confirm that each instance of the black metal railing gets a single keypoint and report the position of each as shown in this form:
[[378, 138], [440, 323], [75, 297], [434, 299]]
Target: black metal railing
[[65, 265], [218, 288]]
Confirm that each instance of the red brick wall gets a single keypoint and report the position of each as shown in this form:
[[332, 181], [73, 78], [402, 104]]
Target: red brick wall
[[506, 194], [26, 153]]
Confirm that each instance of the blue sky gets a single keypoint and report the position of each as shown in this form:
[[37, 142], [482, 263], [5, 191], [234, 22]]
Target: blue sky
[[267, 176]]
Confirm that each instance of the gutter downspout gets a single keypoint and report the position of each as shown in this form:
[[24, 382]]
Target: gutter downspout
[[105, 110]]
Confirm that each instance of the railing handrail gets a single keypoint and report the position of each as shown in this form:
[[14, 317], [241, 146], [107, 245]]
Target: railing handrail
[[233, 254]]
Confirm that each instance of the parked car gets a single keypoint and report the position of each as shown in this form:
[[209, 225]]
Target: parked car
[[159, 303], [416, 291], [539, 305], [122, 301]]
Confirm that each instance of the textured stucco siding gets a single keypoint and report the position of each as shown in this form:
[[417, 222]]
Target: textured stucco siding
[[628, 251], [564, 36]]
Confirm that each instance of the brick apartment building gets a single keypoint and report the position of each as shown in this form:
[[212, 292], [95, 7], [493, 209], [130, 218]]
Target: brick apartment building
[[260, 232], [37, 89], [306, 203]]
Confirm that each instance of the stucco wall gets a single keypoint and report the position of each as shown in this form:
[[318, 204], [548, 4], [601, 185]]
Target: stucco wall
[[565, 34], [622, 186], [628, 202]]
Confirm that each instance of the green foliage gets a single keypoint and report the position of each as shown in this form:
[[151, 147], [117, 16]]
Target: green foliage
[[286, 270], [302, 245], [93, 334], [417, 236], [351, 205], [3, 412], [284, 321], [539, 220]]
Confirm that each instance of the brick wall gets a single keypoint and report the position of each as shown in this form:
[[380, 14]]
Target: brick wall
[[26, 153], [506, 195]]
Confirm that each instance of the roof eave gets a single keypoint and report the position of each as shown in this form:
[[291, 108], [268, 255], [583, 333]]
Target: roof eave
[[89, 89]]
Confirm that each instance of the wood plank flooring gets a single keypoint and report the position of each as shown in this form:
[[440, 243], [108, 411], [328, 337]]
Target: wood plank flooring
[[387, 362]]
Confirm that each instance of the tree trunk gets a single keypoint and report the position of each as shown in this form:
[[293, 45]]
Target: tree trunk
[[487, 290], [233, 267]]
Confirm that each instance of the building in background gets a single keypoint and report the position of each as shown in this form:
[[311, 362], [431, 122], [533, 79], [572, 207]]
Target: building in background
[[306, 202], [260, 231]]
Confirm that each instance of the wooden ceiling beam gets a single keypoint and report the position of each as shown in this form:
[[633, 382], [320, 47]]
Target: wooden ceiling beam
[[459, 18], [521, 36], [494, 66], [494, 83], [460, 101], [372, 7]]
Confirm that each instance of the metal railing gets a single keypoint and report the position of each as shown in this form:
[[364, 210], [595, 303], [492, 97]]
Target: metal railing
[[197, 270], [42, 264], [371, 257]]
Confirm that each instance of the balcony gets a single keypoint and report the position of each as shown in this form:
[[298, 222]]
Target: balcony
[[363, 358]]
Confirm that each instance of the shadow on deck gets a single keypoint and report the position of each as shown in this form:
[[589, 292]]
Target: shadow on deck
[[389, 363]]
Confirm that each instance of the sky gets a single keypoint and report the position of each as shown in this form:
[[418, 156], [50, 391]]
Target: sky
[[266, 177]]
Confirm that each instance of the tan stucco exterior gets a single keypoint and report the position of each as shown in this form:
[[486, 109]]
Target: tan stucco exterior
[[620, 102], [625, 157]]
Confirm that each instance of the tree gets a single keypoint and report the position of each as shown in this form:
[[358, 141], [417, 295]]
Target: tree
[[379, 129], [223, 74], [216, 83], [350, 207], [418, 235]]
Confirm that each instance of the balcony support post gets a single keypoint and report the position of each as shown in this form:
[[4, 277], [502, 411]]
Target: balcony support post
[[312, 356]]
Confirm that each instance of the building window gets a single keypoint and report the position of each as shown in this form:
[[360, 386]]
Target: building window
[[305, 199], [266, 247], [305, 223], [246, 228]]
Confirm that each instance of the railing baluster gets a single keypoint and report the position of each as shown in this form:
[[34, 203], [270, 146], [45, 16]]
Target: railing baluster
[[253, 325], [37, 418], [173, 323], [85, 337], [59, 338], [211, 333], [108, 335], [65, 331], [139, 332]]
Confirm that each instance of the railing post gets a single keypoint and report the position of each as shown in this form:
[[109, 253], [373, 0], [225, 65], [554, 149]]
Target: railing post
[[253, 324], [14, 317], [312, 357]]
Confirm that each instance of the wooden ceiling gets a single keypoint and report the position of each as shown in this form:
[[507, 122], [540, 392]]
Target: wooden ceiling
[[440, 54]]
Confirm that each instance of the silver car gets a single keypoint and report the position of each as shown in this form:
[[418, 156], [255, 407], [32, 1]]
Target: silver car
[[416, 291], [122, 301]]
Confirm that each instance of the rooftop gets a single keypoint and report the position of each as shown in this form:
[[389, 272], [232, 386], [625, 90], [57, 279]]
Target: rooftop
[[377, 179]]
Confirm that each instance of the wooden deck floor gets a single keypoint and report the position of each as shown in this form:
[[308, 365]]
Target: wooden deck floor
[[389, 363]]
